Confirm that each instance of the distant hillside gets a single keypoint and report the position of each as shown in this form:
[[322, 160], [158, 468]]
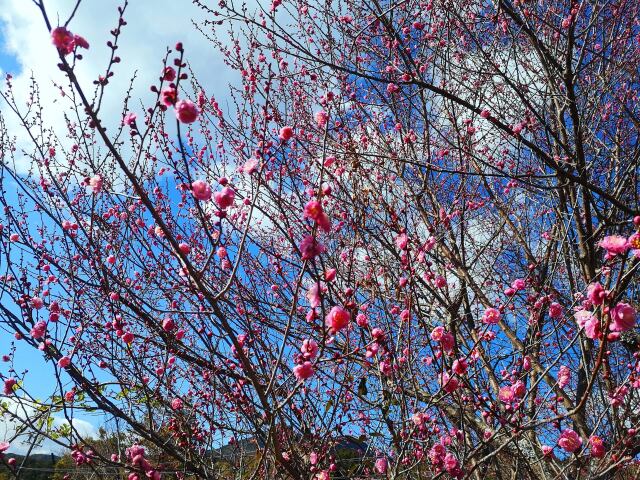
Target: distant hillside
[[36, 467]]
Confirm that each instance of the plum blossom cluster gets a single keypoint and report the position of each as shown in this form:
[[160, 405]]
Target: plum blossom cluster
[[136, 457], [223, 198], [66, 42]]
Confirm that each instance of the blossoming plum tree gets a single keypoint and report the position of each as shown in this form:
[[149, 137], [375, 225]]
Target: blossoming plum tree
[[417, 226]]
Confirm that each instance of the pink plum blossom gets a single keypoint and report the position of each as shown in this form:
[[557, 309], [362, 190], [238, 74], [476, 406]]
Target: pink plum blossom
[[39, 330], [378, 334], [65, 41], [224, 198], [437, 333], [623, 317], [555, 310], [616, 398], [337, 318], [169, 74], [448, 342], [491, 316], [569, 440], [614, 244], [506, 394], [80, 42], [9, 383], [64, 362], [589, 322], [168, 324], [451, 465], [129, 119], [37, 303], [449, 383], [418, 419], [634, 242], [313, 210], [169, 96], [321, 118], [304, 371], [460, 366], [596, 293], [250, 166], [401, 241], [330, 274], [96, 182], [311, 248], [309, 349], [597, 447], [186, 111], [286, 133], [201, 190], [564, 376], [313, 295], [381, 465], [385, 368]]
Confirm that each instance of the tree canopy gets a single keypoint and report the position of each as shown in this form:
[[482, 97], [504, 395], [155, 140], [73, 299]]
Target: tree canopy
[[411, 223]]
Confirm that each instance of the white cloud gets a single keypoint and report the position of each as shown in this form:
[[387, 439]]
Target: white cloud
[[15, 429], [153, 26]]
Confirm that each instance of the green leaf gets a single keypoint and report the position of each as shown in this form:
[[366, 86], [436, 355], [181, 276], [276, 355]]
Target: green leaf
[[328, 406]]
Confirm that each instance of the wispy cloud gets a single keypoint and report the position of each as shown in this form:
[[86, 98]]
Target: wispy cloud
[[20, 413], [153, 26]]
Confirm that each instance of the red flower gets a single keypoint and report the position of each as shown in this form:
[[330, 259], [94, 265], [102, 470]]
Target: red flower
[[169, 74], [569, 440], [201, 190], [623, 317], [187, 111], [311, 248], [8, 385], [337, 319], [63, 40], [304, 371], [286, 133], [224, 198]]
